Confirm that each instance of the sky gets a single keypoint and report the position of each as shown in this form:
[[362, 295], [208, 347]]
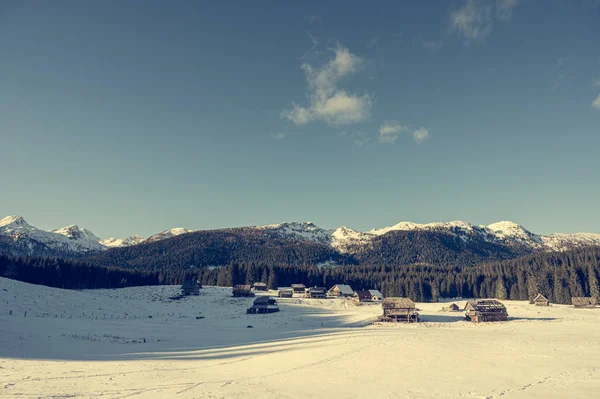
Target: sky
[[137, 116]]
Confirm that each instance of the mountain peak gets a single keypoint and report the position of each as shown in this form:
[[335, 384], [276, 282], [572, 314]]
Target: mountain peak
[[13, 219]]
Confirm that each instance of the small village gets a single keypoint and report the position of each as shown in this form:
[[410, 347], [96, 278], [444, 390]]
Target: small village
[[394, 309]]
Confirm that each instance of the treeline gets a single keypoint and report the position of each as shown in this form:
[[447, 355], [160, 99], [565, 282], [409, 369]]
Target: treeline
[[559, 276], [72, 274]]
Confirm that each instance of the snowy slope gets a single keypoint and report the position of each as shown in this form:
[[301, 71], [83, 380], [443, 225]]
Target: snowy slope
[[163, 235], [122, 242], [70, 239]]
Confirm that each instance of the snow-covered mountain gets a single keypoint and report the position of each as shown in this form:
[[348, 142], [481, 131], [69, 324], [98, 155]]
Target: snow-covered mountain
[[123, 242], [22, 238], [28, 239], [163, 235]]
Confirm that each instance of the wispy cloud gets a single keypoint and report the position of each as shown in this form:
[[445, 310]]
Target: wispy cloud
[[432, 46], [389, 132], [596, 82], [328, 102], [278, 136], [421, 135], [314, 19], [474, 21], [504, 9], [596, 103]]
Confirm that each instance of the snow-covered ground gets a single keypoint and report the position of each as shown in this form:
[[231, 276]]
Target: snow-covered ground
[[136, 342]]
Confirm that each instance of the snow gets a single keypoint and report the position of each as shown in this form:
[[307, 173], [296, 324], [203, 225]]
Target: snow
[[102, 343], [123, 242], [168, 234]]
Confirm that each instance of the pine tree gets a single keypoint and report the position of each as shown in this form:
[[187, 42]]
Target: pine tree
[[251, 274], [273, 283], [593, 282], [500, 288]]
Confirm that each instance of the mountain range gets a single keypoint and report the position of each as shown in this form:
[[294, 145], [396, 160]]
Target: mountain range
[[17, 237]]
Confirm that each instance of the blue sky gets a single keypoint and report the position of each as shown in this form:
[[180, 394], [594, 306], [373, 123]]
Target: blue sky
[[133, 117]]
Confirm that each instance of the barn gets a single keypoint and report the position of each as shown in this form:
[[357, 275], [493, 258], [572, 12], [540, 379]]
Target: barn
[[259, 287], [541, 300], [191, 287], [285, 293], [316, 292], [398, 309], [340, 290], [298, 288], [362, 296], [584, 302], [242, 290], [482, 310], [376, 295], [263, 304]]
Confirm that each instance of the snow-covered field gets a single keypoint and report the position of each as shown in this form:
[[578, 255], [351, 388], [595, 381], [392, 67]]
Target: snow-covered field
[[136, 342]]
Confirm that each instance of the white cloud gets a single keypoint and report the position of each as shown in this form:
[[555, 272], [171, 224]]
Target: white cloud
[[278, 136], [596, 103], [473, 20], [504, 9], [314, 19], [432, 46], [389, 132], [421, 135], [596, 82], [327, 102]]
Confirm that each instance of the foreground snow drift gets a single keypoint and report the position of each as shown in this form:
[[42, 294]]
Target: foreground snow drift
[[138, 342]]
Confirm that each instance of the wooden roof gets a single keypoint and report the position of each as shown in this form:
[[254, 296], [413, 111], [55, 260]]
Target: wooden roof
[[540, 297], [298, 286], [244, 287], [363, 294], [397, 303], [376, 293], [485, 305], [584, 301], [260, 284], [343, 288], [318, 289], [190, 284]]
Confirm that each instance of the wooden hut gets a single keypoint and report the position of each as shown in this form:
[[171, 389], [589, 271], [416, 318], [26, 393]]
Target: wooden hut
[[190, 287], [376, 295], [298, 288], [584, 302], [340, 290], [259, 287], [242, 290], [316, 292], [541, 300], [482, 310], [263, 304], [399, 310], [286, 293], [362, 296]]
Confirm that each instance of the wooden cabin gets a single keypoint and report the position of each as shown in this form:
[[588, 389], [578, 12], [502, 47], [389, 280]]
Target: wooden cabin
[[191, 287], [259, 287], [316, 292], [482, 310], [286, 293], [451, 308], [541, 300], [398, 309], [376, 295], [242, 290], [298, 288], [362, 296], [584, 302], [340, 290], [263, 304]]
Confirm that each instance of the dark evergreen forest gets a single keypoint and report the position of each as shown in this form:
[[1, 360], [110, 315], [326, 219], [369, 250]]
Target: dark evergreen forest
[[557, 275]]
